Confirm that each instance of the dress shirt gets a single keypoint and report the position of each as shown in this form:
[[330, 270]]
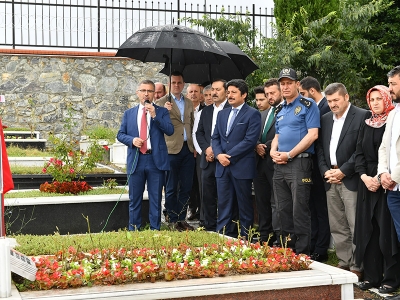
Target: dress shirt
[[195, 125], [393, 160], [181, 106], [217, 109], [269, 113], [231, 114], [139, 120], [336, 131]]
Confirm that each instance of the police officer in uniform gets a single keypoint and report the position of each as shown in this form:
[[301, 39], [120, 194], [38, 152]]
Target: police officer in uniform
[[292, 149]]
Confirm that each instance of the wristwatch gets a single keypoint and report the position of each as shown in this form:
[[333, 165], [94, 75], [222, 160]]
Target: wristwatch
[[379, 178], [289, 158]]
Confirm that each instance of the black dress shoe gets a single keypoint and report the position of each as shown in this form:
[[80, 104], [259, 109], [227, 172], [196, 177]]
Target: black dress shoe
[[319, 257], [366, 285], [185, 226], [385, 289]]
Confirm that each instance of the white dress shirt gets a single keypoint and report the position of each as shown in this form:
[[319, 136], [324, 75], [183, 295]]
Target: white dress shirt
[[336, 131], [217, 109], [139, 121], [195, 125]]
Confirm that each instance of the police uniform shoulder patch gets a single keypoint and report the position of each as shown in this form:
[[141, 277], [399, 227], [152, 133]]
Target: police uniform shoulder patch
[[305, 102], [297, 110]]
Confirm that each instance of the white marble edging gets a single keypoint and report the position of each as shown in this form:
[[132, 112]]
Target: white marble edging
[[320, 274], [68, 199]]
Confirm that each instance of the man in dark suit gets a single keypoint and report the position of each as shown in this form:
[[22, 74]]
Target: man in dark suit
[[263, 189], [320, 233], [207, 163], [179, 178], [233, 141], [336, 147], [142, 130]]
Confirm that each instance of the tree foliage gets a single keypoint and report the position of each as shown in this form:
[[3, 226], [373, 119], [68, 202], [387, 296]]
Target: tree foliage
[[287, 11], [332, 48]]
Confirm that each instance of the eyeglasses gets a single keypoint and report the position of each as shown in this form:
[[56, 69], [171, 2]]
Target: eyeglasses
[[146, 91]]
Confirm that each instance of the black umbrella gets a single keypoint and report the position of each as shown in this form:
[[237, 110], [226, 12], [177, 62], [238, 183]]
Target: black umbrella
[[238, 67], [174, 44]]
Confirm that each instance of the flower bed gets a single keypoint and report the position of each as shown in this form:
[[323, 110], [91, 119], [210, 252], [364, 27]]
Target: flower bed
[[117, 266]]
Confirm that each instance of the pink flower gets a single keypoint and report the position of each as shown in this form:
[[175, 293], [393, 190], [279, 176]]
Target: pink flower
[[71, 171], [44, 170]]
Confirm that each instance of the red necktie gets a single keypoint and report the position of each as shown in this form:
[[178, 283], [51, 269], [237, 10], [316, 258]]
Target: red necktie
[[143, 131]]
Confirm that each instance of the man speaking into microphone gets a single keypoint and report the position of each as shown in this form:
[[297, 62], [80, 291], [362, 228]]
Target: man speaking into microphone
[[142, 130]]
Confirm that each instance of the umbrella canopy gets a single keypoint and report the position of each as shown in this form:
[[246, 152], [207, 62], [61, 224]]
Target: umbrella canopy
[[174, 44], [238, 67]]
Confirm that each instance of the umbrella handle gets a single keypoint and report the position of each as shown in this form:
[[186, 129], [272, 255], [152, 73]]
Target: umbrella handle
[[170, 70]]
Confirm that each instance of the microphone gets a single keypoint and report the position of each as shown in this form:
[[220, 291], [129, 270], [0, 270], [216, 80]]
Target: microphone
[[147, 102]]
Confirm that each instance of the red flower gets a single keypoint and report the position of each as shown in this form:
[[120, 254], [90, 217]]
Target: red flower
[[44, 170], [106, 147]]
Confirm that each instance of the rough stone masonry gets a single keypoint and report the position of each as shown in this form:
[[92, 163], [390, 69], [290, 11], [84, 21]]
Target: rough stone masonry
[[39, 88]]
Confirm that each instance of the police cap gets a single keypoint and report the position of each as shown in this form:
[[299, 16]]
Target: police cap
[[288, 73]]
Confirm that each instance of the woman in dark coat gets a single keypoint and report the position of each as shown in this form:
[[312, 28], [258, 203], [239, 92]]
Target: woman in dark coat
[[375, 237]]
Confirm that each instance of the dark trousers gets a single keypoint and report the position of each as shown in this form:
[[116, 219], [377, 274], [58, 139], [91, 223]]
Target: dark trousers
[[320, 232], [263, 189], [209, 193], [195, 194], [393, 200], [378, 269], [234, 194], [292, 185], [178, 185], [145, 170]]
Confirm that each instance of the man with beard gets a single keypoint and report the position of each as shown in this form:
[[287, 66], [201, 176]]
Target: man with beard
[[204, 131], [263, 187], [320, 233], [389, 155]]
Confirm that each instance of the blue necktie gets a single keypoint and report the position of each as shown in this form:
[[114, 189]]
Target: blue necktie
[[235, 112]]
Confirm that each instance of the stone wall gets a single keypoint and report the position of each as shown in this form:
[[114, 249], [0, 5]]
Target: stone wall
[[39, 89]]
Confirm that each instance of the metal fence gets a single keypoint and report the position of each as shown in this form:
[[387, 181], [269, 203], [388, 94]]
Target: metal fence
[[102, 24]]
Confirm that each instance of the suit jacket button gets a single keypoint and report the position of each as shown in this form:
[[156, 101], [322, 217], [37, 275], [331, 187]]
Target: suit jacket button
[[227, 142]]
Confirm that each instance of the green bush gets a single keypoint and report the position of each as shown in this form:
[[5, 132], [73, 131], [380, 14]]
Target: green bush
[[101, 132]]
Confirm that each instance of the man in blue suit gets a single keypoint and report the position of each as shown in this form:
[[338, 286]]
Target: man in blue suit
[[142, 130], [233, 141]]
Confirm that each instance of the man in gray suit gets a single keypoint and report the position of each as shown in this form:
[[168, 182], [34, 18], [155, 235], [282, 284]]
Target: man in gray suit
[[336, 147], [267, 219]]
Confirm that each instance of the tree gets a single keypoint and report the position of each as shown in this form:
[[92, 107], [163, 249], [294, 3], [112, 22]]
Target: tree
[[287, 11], [332, 48]]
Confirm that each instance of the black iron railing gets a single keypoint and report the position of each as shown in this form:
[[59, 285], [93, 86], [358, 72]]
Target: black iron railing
[[102, 24]]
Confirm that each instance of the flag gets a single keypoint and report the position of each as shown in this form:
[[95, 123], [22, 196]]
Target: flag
[[6, 181]]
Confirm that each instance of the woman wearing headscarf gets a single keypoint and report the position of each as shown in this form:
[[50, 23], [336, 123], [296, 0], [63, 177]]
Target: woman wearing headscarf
[[374, 235]]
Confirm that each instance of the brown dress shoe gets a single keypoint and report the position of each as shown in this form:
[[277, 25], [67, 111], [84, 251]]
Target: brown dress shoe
[[185, 226]]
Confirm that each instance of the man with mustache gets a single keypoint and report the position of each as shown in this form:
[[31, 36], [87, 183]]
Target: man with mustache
[[336, 147], [204, 132]]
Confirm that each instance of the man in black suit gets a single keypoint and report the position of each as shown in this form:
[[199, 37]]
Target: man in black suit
[[267, 219], [320, 233], [207, 163], [336, 147]]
